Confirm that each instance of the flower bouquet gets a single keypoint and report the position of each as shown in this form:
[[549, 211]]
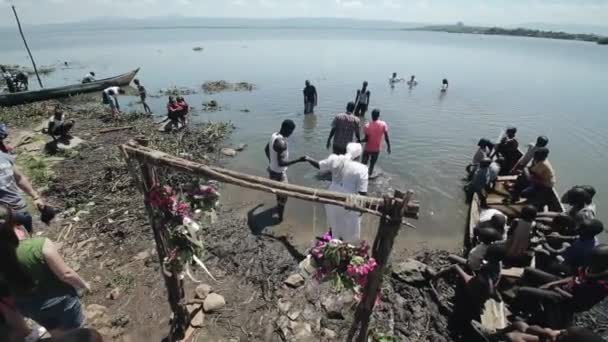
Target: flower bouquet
[[185, 242], [347, 266]]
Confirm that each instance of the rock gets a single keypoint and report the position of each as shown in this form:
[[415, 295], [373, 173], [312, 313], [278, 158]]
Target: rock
[[202, 291], [336, 305], [228, 152], [294, 315], [213, 302], [110, 262], [97, 315], [198, 319], [97, 255], [302, 331], [73, 143], [241, 147], [141, 256], [114, 294], [284, 305], [295, 281], [120, 321], [328, 333], [97, 278], [283, 324], [308, 266], [411, 271]]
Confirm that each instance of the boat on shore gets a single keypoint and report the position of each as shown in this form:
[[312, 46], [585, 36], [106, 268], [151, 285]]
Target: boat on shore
[[13, 99]]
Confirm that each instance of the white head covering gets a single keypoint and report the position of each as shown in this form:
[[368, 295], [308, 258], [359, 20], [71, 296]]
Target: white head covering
[[354, 150]]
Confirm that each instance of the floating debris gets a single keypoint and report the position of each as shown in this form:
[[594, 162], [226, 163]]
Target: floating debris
[[175, 91], [211, 106], [197, 49], [219, 86]]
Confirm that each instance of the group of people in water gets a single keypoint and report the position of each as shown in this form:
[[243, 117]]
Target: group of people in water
[[565, 266]]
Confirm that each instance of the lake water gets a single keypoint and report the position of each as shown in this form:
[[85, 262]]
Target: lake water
[[550, 87]]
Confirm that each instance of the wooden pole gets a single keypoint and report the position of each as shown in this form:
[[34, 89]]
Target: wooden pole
[[381, 250], [26, 46], [369, 205], [175, 286]]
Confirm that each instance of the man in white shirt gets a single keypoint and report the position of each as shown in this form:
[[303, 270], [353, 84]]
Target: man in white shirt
[[348, 176], [277, 153], [110, 97], [88, 78]]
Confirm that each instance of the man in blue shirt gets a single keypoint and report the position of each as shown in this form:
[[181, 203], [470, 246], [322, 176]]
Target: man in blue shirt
[[577, 255]]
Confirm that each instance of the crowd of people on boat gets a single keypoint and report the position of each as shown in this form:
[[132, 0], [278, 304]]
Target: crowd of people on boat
[[15, 82], [543, 261]]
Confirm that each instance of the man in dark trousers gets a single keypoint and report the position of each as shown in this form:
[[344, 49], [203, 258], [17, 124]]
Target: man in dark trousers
[[362, 100], [277, 153], [344, 126], [142, 95], [310, 98]]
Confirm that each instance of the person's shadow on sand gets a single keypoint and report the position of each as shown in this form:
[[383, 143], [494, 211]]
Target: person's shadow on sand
[[258, 222]]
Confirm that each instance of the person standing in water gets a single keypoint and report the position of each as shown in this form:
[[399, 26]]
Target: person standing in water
[[374, 131], [142, 95], [362, 100], [277, 153], [344, 126], [310, 97], [444, 85], [412, 82], [395, 79]]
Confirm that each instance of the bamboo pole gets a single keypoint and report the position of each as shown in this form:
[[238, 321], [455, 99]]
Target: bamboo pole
[[26, 46], [381, 249], [175, 286], [371, 205]]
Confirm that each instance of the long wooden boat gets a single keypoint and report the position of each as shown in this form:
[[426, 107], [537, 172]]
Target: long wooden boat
[[13, 99], [494, 316]]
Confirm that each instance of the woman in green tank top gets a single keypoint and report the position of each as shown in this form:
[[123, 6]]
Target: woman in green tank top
[[44, 288]]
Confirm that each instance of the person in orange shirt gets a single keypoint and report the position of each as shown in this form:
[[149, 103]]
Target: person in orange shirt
[[374, 131]]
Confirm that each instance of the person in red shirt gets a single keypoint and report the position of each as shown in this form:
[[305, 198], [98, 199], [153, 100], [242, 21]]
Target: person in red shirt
[[183, 114], [374, 131], [173, 111]]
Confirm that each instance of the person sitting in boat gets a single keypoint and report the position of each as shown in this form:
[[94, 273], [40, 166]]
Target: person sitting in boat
[[412, 82], [88, 78], [560, 298], [474, 290], [580, 202], [110, 97], [520, 331], [537, 182], [480, 182], [484, 150], [525, 160], [486, 237], [494, 219], [183, 113], [519, 235], [508, 148], [579, 252], [8, 79], [59, 126], [21, 81]]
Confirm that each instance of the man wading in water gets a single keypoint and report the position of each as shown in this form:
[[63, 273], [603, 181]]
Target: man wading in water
[[362, 100], [310, 98], [277, 154], [343, 128]]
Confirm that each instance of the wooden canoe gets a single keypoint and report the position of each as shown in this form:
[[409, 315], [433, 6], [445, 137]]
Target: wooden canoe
[[13, 99]]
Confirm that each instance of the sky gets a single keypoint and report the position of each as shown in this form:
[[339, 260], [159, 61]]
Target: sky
[[479, 12]]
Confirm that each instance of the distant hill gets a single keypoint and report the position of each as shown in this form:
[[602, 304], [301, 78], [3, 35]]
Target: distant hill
[[518, 32], [572, 28], [194, 22]]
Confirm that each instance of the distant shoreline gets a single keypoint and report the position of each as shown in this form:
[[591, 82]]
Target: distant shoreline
[[518, 32]]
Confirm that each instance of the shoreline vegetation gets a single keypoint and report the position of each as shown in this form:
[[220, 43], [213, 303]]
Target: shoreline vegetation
[[518, 32]]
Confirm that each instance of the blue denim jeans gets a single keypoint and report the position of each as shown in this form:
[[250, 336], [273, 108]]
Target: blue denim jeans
[[56, 312], [25, 219]]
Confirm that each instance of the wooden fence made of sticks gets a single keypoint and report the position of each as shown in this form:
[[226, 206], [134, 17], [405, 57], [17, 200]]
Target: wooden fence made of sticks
[[143, 163]]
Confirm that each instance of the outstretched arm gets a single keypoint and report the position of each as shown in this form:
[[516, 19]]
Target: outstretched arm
[[61, 270], [24, 184], [313, 162], [280, 146]]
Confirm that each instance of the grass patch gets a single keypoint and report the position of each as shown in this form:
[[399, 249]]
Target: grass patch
[[36, 168]]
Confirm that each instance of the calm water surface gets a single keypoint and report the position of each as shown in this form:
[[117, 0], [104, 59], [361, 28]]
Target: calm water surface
[[550, 87]]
